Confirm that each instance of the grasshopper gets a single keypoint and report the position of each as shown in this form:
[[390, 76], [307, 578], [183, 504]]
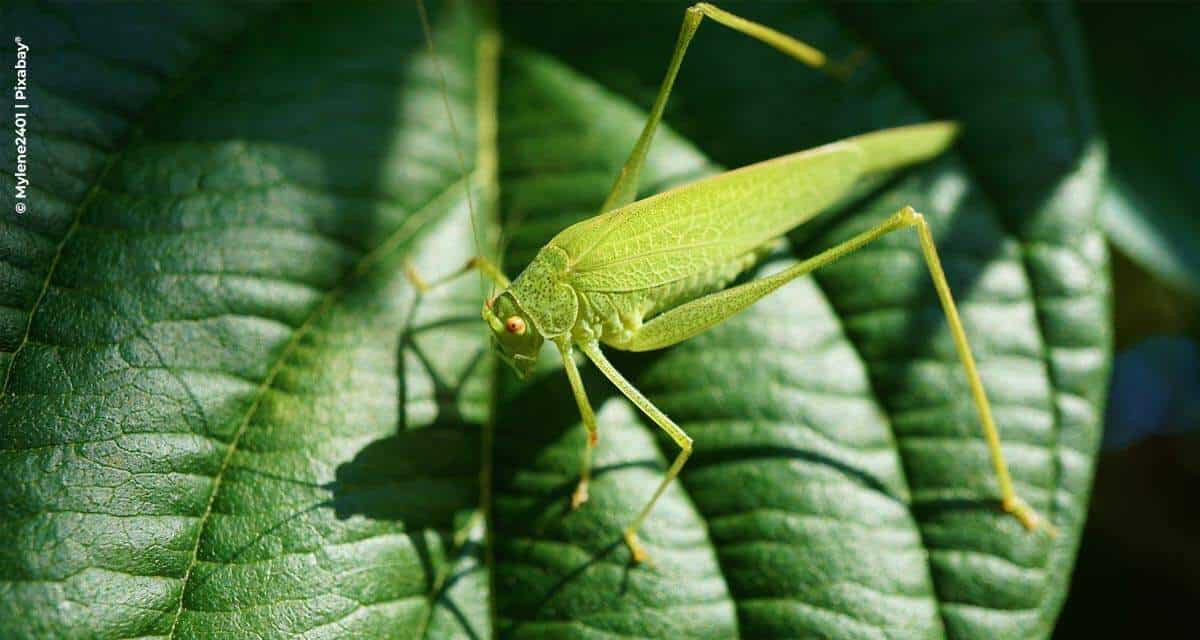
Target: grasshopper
[[651, 273]]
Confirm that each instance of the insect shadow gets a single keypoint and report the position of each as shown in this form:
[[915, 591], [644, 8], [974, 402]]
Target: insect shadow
[[425, 475], [538, 420], [425, 478]]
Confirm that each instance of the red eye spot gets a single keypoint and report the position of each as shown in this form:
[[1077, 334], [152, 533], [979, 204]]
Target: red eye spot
[[515, 325]]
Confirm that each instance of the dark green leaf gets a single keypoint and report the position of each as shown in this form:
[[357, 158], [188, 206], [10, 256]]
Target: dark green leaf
[[222, 415], [838, 464], [226, 412]]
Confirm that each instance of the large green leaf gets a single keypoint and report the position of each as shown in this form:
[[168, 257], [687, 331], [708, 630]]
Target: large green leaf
[[209, 342], [227, 413]]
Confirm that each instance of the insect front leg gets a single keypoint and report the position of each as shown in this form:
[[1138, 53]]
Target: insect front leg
[[681, 438], [580, 494], [485, 266]]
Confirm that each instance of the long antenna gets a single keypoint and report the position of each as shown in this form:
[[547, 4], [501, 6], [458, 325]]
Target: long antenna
[[487, 168], [462, 161]]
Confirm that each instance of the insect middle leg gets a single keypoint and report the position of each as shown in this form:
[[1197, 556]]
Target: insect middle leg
[[580, 495], [681, 438]]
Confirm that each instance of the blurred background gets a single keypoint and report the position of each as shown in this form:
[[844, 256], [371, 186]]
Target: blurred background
[[1140, 556]]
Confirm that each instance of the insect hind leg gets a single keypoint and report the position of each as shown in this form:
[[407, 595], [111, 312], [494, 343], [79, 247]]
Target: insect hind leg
[[624, 189], [700, 314], [1010, 502]]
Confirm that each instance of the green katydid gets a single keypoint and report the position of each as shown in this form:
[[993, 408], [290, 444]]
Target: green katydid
[[650, 273]]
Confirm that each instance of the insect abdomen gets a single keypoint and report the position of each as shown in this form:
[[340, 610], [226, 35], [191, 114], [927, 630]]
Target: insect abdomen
[[616, 316]]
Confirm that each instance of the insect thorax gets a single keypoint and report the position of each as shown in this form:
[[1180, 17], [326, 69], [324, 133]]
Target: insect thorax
[[543, 295]]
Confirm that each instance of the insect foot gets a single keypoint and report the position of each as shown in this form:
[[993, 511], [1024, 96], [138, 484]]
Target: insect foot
[[1028, 517], [580, 495], [415, 278], [635, 547]]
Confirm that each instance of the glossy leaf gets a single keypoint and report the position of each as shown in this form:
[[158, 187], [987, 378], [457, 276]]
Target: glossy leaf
[[222, 415], [838, 465], [227, 412]]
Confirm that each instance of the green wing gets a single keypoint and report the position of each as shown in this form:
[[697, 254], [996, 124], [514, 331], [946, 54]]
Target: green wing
[[698, 226]]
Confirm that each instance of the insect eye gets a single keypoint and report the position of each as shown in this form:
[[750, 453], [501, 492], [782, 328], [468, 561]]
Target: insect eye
[[515, 324]]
